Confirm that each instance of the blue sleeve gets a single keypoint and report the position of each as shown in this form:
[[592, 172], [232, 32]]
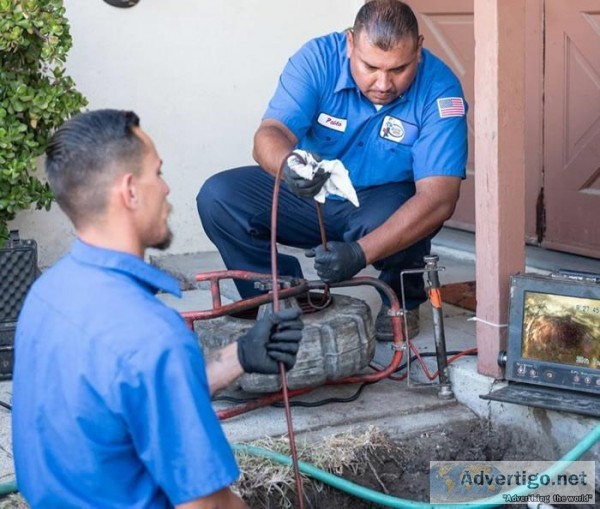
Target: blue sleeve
[[441, 148], [176, 433], [296, 97]]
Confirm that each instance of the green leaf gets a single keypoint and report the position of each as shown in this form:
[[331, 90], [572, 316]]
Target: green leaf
[[35, 98]]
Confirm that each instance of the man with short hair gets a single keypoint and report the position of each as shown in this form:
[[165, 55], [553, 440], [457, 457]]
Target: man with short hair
[[111, 400], [395, 115]]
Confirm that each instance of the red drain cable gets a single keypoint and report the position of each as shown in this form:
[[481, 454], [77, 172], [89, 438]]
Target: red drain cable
[[286, 398], [431, 376], [326, 297]]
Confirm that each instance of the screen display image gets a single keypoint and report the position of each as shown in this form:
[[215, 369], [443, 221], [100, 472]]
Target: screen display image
[[561, 329]]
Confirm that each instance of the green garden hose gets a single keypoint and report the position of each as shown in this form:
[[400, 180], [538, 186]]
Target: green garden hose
[[8, 487]]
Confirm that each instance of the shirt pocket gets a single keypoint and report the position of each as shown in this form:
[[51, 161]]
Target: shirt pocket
[[384, 161], [392, 151], [325, 142]]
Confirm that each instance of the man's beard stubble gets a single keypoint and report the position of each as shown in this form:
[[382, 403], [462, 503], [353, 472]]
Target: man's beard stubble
[[165, 243]]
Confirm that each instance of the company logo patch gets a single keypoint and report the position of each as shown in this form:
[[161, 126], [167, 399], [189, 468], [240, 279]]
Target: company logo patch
[[451, 107], [392, 129], [337, 124]]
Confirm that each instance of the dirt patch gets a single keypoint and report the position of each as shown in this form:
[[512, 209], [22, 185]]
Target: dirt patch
[[14, 501], [399, 468]]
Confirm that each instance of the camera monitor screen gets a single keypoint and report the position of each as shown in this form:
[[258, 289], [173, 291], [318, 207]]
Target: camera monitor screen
[[562, 329], [554, 332]]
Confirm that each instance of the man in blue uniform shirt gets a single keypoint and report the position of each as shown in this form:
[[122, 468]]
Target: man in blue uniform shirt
[[395, 115], [111, 399]]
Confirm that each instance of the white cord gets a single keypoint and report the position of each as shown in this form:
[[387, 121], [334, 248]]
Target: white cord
[[497, 325]]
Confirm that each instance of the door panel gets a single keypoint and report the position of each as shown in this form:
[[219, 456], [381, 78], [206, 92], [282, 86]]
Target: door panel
[[572, 126], [448, 31]]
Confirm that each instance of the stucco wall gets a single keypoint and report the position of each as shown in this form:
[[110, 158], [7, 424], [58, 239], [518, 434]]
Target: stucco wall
[[199, 73]]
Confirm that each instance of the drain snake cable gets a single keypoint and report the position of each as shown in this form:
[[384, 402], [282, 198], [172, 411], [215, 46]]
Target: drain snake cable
[[585, 444]]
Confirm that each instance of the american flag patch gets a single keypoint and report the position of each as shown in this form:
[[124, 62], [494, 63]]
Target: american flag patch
[[451, 107]]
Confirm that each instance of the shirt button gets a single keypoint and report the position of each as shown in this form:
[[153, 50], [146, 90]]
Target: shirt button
[[361, 144]]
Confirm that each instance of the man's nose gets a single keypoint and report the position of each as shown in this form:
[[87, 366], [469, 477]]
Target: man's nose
[[383, 82]]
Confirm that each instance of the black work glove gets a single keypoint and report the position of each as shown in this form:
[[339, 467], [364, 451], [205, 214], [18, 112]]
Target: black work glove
[[304, 188], [273, 339], [340, 262]]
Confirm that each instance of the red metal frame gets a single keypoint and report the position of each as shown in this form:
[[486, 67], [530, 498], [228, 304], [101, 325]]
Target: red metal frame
[[300, 286]]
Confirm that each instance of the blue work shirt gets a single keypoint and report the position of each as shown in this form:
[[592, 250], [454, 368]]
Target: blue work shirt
[[421, 134], [111, 402]]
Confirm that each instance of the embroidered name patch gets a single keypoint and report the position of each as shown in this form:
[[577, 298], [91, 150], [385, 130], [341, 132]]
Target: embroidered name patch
[[337, 124], [451, 107], [392, 129]]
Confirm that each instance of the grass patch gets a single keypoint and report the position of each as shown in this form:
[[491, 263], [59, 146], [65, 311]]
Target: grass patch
[[265, 484]]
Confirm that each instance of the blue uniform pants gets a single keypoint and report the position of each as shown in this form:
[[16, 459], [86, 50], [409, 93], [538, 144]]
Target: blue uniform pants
[[235, 210]]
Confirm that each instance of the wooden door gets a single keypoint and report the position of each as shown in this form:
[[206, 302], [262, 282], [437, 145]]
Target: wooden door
[[572, 127], [562, 125]]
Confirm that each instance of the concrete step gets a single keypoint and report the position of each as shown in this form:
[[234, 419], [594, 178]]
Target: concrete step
[[388, 405]]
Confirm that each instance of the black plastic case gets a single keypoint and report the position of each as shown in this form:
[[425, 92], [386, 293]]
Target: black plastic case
[[18, 271]]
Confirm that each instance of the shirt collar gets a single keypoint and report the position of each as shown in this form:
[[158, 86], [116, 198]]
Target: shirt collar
[[126, 263], [345, 79], [409, 94]]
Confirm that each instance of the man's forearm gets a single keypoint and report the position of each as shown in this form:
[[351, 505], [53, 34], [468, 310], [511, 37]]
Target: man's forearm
[[223, 367], [272, 143], [419, 217]]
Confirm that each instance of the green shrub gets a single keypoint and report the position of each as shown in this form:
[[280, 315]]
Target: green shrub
[[35, 97]]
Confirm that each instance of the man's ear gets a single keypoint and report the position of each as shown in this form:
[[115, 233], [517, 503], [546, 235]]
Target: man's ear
[[349, 42], [420, 45], [128, 190]]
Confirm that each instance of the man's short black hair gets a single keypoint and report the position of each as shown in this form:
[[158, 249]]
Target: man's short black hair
[[386, 22], [85, 154]]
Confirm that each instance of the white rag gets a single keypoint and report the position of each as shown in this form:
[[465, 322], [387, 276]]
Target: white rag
[[338, 183]]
